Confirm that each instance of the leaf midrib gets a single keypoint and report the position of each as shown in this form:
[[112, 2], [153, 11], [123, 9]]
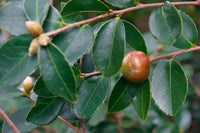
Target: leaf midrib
[[14, 66], [91, 94], [127, 86], [59, 75], [170, 32], [111, 49]]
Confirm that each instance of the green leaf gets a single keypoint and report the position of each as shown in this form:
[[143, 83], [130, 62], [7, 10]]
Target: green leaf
[[189, 35], [121, 3], [12, 104], [165, 24], [68, 114], [92, 93], [122, 95], [36, 10], [15, 63], [87, 64], [169, 86], [134, 37], [12, 18], [8, 92], [183, 119], [151, 43], [45, 110], [57, 73], [98, 116], [71, 10], [41, 89], [75, 42], [18, 118], [109, 47], [53, 20], [142, 100]]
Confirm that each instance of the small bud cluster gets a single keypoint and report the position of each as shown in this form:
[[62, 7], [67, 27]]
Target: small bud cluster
[[42, 39]]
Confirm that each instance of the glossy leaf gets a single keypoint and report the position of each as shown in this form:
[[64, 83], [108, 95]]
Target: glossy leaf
[[8, 92], [165, 24], [134, 37], [12, 18], [45, 110], [92, 93], [151, 43], [18, 118], [121, 3], [189, 35], [142, 100], [98, 116], [71, 10], [75, 42], [122, 95], [36, 10], [15, 63], [53, 20], [68, 114], [87, 64], [41, 89], [109, 47], [57, 73], [169, 91]]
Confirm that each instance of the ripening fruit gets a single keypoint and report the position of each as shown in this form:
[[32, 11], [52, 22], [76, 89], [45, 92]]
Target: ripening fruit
[[28, 84], [43, 39], [34, 28], [34, 46], [136, 66]]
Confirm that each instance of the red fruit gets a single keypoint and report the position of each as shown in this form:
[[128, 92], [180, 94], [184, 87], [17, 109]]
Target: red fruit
[[136, 66]]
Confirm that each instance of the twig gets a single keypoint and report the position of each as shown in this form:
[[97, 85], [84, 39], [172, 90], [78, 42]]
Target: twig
[[153, 59], [90, 74], [81, 64], [110, 14], [10, 123], [175, 53], [5, 35], [69, 124], [52, 2], [82, 125], [119, 123]]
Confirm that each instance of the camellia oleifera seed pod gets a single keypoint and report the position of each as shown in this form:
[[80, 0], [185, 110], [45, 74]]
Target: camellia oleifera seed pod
[[34, 28], [136, 66], [28, 84], [43, 39], [34, 46]]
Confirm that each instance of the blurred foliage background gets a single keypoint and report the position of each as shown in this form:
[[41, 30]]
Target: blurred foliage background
[[186, 120]]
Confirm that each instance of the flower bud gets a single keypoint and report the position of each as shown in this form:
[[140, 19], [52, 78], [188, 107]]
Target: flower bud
[[28, 84], [34, 46], [34, 28], [159, 48], [43, 39]]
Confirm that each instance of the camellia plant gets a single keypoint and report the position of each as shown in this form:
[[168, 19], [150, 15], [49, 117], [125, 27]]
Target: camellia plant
[[83, 61]]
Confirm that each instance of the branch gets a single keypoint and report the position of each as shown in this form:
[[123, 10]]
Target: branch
[[175, 53], [110, 14], [153, 59], [10, 123], [82, 125], [69, 124], [52, 2], [119, 123], [90, 74], [5, 35]]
